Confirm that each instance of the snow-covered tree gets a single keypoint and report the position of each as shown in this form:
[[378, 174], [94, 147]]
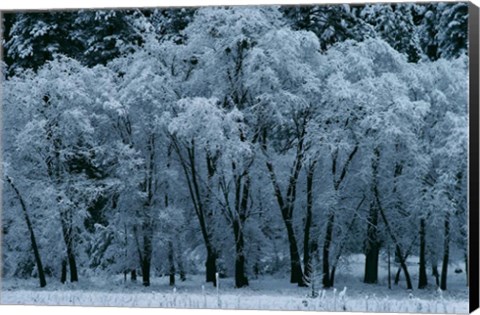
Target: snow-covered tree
[[58, 141], [442, 31], [331, 23], [395, 24]]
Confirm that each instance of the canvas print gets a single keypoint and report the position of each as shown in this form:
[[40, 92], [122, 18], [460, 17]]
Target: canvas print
[[303, 157]]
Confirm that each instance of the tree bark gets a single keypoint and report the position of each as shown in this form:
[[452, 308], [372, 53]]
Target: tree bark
[[343, 242], [146, 273], [398, 249], [371, 265], [337, 181], [171, 252], [307, 246], [240, 279], [211, 267], [389, 269], [397, 275], [133, 275], [63, 275], [68, 239], [436, 274], [171, 263], [332, 276], [189, 169], [326, 281], [147, 227], [372, 247], [183, 276], [241, 206], [286, 208], [403, 264], [33, 241], [398, 259], [296, 274], [286, 202], [422, 278], [181, 269], [147, 255], [402, 260], [72, 264], [446, 253], [206, 207]]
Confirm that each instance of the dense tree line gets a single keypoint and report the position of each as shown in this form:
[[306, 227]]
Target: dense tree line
[[221, 140], [96, 37]]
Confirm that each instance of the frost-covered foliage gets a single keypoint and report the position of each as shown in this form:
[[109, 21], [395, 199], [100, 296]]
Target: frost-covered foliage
[[237, 142], [91, 37], [443, 32]]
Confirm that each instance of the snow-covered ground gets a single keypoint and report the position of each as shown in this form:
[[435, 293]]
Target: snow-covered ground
[[273, 293]]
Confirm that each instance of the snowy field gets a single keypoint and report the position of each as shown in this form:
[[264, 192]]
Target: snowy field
[[270, 293]]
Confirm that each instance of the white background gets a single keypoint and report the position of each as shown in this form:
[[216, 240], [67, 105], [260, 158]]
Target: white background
[[50, 4]]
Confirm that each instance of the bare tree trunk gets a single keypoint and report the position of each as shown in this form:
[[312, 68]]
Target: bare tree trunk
[[296, 273], [403, 264], [72, 264], [183, 276], [68, 239], [389, 269], [422, 278], [33, 241], [211, 267], [144, 252], [286, 202], [446, 253], [307, 246], [181, 269], [171, 263], [332, 275], [397, 275], [436, 274], [63, 275], [398, 259], [146, 273], [147, 256], [241, 206], [343, 242], [337, 181], [372, 247], [208, 213], [371, 265], [240, 279], [326, 281], [133, 275], [147, 227], [189, 169], [398, 249], [173, 255]]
